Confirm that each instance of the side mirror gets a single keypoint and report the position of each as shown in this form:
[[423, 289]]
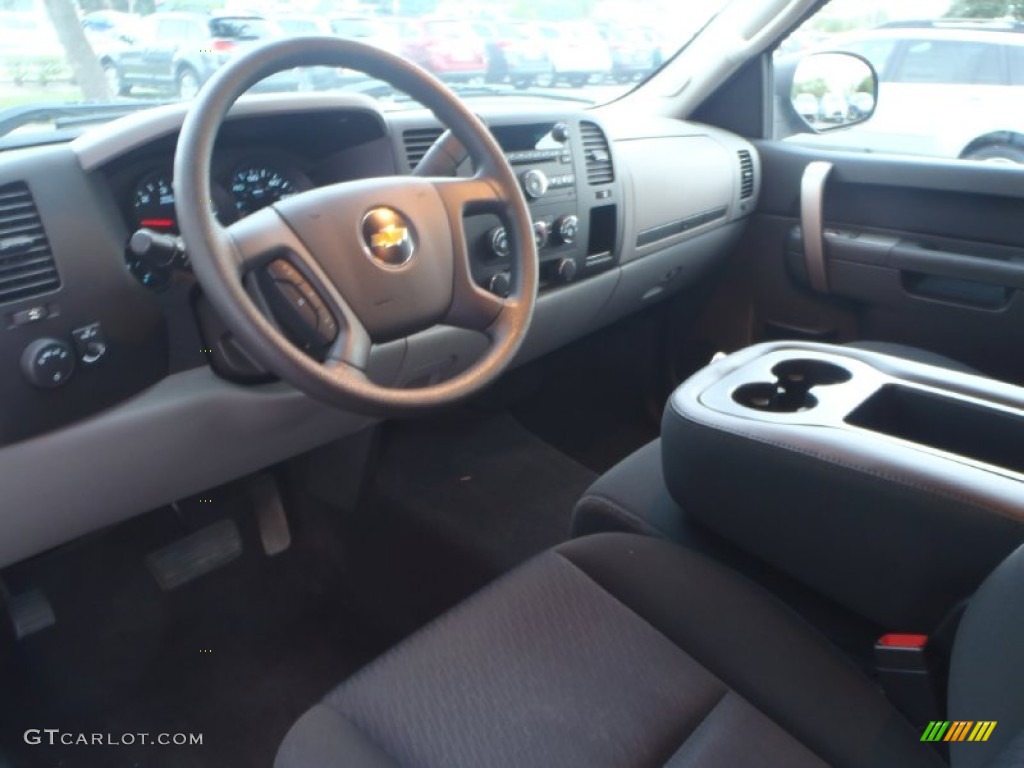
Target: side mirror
[[833, 90]]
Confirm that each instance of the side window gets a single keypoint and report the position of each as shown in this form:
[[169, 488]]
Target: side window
[[949, 87], [878, 52], [1015, 55], [949, 61], [167, 29]]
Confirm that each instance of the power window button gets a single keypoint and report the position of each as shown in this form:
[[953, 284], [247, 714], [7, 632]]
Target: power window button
[[90, 343]]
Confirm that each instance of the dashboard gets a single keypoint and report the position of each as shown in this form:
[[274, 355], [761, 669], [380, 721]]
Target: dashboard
[[121, 373]]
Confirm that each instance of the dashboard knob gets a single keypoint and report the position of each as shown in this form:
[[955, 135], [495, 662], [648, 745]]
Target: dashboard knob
[[535, 183], [540, 234], [48, 363], [500, 284], [560, 132], [567, 269], [567, 228], [499, 242]]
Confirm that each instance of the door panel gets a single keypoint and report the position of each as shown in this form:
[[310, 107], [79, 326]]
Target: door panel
[[918, 251]]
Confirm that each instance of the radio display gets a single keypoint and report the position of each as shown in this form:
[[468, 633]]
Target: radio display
[[522, 138]]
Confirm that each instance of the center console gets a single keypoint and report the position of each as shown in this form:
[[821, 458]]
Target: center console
[[889, 485]]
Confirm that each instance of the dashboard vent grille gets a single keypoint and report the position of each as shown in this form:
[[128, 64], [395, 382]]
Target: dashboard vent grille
[[26, 263], [597, 154], [417, 142], [746, 174]]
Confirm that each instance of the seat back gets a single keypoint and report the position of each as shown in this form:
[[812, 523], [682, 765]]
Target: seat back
[[986, 679]]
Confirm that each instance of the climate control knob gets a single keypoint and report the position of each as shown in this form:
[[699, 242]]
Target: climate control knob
[[567, 269], [499, 242], [541, 232], [500, 284], [48, 363], [535, 183], [567, 228]]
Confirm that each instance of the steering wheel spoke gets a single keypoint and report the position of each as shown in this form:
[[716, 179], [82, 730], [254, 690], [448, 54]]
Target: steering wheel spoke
[[263, 243]]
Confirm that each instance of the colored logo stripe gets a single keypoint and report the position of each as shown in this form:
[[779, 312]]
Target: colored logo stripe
[[958, 730]]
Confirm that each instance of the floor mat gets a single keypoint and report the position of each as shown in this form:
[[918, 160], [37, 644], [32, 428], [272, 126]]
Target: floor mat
[[235, 656], [486, 485]]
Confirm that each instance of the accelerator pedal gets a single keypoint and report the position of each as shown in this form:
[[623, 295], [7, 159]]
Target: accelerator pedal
[[197, 554], [270, 515]]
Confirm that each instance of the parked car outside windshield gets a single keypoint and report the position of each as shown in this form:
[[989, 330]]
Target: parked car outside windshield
[[522, 49]]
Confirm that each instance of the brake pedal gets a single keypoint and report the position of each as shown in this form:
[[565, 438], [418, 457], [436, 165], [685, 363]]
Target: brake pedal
[[270, 515], [195, 555]]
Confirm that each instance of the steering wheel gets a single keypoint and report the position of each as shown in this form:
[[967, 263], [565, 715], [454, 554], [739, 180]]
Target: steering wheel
[[385, 258]]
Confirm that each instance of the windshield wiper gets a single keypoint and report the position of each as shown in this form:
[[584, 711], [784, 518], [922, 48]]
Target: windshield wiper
[[63, 116]]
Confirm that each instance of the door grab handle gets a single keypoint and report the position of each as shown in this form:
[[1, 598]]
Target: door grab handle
[[812, 198]]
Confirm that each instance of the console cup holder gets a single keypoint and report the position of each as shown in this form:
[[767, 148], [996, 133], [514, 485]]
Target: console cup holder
[[810, 373], [791, 392]]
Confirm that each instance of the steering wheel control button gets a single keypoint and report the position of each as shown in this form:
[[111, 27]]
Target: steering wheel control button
[[90, 344], [388, 237], [297, 306], [535, 183], [500, 246], [48, 363], [567, 228]]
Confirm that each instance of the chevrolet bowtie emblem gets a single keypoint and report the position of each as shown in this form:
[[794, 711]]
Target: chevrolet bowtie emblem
[[388, 238]]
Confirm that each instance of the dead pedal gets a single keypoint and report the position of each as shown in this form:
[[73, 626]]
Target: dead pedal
[[270, 515], [30, 612], [197, 554]]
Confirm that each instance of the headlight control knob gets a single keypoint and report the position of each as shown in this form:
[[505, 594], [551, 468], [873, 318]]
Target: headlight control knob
[[48, 363]]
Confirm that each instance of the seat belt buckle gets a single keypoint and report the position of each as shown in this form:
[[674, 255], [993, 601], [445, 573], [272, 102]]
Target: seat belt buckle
[[904, 671]]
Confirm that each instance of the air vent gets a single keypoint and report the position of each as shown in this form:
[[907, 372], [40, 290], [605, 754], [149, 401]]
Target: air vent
[[26, 263], [597, 154], [746, 174], [417, 142]]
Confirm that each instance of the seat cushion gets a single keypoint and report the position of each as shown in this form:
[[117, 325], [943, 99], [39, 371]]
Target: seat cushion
[[610, 650]]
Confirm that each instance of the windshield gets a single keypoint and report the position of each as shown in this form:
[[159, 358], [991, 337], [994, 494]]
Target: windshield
[[71, 64]]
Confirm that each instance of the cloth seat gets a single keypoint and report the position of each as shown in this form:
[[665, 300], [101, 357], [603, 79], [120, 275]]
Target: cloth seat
[[610, 650]]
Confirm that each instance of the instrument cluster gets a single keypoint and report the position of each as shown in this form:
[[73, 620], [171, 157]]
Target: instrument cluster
[[239, 189]]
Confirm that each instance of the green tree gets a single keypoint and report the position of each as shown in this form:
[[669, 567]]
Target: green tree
[[84, 64], [986, 9]]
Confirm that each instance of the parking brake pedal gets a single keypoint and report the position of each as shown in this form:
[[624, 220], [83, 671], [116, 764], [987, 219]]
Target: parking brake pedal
[[274, 531], [195, 555]]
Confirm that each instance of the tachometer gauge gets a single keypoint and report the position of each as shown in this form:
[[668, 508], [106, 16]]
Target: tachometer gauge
[[153, 202], [257, 185]]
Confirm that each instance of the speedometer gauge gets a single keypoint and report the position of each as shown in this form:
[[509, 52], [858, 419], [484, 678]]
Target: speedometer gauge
[[153, 202], [257, 185]]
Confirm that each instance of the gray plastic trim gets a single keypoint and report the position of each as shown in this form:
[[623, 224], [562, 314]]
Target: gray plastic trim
[[107, 142], [190, 432], [822, 434]]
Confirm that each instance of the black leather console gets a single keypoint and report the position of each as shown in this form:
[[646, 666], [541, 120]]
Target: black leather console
[[889, 485]]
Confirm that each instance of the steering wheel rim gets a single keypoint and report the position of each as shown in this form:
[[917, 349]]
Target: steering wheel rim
[[223, 257]]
